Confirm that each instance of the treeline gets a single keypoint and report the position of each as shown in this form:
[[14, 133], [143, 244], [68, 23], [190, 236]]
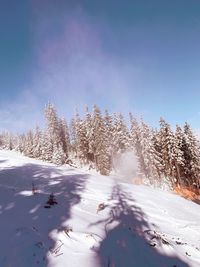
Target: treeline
[[97, 139]]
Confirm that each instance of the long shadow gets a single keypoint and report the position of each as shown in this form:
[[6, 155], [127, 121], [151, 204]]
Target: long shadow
[[3, 161], [126, 243], [28, 243]]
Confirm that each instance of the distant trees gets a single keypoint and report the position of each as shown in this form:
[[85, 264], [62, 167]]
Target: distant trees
[[97, 139], [7, 141]]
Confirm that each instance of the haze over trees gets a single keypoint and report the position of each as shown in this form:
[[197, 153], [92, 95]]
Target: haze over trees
[[97, 138]]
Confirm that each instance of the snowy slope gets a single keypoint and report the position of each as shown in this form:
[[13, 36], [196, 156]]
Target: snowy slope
[[138, 227]]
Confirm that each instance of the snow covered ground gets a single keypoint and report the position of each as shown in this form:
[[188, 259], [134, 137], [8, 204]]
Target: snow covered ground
[[137, 227]]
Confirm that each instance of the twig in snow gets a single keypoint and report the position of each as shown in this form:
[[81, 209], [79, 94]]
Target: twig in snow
[[59, 254], [100, 207], [187, 254], [67, 229], [57, 249]]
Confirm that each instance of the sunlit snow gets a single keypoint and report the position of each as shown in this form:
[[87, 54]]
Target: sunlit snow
[[138, 226]]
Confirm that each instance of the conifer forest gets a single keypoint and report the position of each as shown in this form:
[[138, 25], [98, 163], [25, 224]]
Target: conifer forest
[[164, 155]]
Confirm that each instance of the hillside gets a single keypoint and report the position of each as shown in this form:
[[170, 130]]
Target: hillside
[[136, 227]]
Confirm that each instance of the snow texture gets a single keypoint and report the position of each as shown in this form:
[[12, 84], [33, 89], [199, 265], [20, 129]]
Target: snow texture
[[137, 226]]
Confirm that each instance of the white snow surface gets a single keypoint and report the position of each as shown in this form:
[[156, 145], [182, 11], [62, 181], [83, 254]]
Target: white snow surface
[[138, 226]]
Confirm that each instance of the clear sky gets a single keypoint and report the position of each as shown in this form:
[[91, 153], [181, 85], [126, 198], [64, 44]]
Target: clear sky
[[139, 56]]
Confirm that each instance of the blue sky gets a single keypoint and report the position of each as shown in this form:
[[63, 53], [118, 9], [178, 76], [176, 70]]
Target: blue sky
[[138, 56]]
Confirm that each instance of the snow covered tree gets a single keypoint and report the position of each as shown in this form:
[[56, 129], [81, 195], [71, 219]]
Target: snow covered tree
[[88, 130], [98, 144], [191, 155], [121, 138], [46, 147], [157, 145], [171, 153], [73, 138], [52, 125], [20, 146], [109, 131], [28, 147], [56, 135], [135, 142], [151, 159], [179, 134], [64, 137], [59, 156], [81, 139], [134, 134], [37, 143], [7, 141]]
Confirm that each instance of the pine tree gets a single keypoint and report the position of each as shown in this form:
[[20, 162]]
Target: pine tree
[[121, 138], [157, 146], [64, 137], [73, 138], [135, 143], [151, 159], [7, 141], [47, 149], [53, 125], [55, 141], [180, 156], [88, 129], [98, 142], [20, 146], [135, 135], [28, 148], [109, 131], [191, 154], [171, 153], [58, 157], [37, 143], [81, 140]]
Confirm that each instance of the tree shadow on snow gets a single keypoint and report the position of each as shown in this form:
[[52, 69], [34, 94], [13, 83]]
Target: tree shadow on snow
[[3, 161], [126, 243], [24, 222]]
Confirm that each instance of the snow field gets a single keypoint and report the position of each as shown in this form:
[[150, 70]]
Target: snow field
[[139, 225]]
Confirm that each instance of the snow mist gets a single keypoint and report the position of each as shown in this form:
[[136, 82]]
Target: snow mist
[[126, 167]]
